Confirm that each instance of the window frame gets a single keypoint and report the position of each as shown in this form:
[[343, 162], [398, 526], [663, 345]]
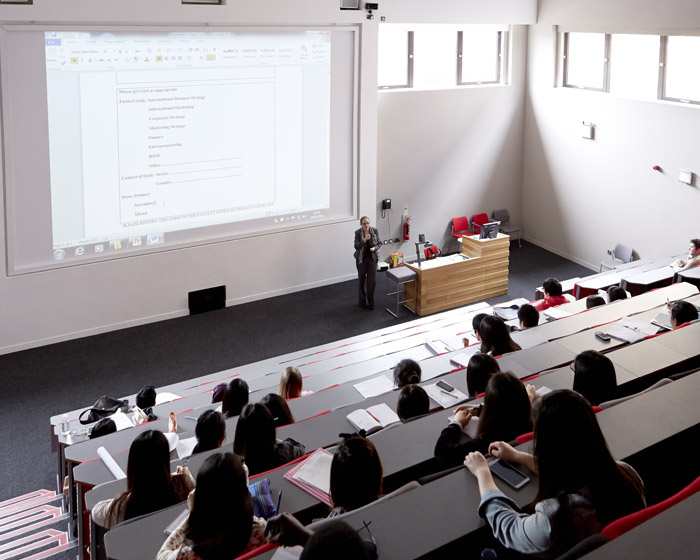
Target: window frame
[[663, 63], [502, 40], [409, 67], [606, 64]]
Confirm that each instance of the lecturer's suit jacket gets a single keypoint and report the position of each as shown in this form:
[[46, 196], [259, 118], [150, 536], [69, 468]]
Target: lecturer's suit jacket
[[359, 244]]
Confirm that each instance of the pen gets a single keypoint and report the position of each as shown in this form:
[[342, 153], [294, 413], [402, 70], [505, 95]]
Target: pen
[[453, 396], [192, 418], [279, 500]]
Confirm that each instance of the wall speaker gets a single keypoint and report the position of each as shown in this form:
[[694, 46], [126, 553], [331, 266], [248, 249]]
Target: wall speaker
[[209, 299]]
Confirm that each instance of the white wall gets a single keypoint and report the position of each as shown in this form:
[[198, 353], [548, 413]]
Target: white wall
[[580, 197], [451, 153], [56, 305]]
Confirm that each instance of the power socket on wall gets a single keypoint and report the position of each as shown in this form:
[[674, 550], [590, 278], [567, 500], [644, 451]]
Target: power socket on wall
[[388, 241]]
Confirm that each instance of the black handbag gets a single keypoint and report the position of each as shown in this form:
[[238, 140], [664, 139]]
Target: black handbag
[[105, 406]]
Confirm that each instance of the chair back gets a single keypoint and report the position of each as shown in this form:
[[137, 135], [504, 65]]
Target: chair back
[[623, 252], [501, 216], [479, 220], [460, 225]]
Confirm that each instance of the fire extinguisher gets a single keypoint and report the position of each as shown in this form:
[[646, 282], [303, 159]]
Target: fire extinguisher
[[407, 228]]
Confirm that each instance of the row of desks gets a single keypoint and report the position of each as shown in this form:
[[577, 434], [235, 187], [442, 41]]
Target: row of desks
[[445, 509]]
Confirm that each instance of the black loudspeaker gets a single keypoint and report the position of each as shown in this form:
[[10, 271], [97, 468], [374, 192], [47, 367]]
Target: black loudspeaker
[[208, 299], [386, 204]]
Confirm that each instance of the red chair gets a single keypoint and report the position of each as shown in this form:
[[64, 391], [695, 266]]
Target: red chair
[[479, 220], [628, 522], [460, 227]]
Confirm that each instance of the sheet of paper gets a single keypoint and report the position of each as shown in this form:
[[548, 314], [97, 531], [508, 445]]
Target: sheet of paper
[[555, 313], [542, 391], [288, 553], [509, 304], [647, 329], [185, 446], [122, 421], [620, 332], [317, 472], [456, 342], [460, 359], [375, 386], [470, 429], [435, 346], [444, 398], [165, 397], [110, 463], [505, 313], [663, 319], [384, 414]]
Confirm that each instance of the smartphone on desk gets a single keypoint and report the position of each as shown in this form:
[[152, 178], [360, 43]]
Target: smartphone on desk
[[445, 386], [508, 473]]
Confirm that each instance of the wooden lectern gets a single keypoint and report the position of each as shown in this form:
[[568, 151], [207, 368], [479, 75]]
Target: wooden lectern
[[449, 282]]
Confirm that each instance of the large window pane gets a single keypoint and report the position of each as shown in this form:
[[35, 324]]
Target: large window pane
[[585, 60], [393, 62], [481, 61], [435, 62], [682, 76], [634, 66]]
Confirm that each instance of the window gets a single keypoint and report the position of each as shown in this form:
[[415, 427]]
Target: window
[[682, 81], [586, 60], [395, 65], [634, 66], [479, 55], [441, 56]]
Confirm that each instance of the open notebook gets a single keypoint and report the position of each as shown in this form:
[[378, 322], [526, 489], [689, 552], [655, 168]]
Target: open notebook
[[313, 475]]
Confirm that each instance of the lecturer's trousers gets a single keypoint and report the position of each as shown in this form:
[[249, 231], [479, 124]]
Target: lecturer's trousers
[[367, 274]]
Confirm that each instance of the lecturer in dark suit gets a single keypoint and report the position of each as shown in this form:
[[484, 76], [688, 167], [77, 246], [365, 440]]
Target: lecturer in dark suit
[[366, 255]]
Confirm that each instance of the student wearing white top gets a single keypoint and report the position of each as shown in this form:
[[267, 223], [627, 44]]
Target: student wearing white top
[[692, 260]]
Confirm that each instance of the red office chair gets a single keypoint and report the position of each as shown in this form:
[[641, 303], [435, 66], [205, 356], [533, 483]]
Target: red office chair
[[460, 227], [628, 522], [479, 220]]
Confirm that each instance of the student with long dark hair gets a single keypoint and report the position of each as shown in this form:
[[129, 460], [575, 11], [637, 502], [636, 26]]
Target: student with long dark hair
[[505, 415], [495, 338], [235, 398], [210, 431], [594, 377], [256, 441], [150, 486], [221, 524], [279, 409], [581, 487], [356, 475], [479, 370]]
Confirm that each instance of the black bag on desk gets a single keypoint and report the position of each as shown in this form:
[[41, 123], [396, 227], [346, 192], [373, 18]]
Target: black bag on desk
[[105, 406]]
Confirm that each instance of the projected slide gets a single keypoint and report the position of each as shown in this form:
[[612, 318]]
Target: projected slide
[[179, 131]]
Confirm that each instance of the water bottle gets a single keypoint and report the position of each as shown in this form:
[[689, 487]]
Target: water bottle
[[65, 425]]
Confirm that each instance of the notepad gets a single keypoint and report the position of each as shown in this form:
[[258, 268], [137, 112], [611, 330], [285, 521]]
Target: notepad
[[165, 397], [446, 399], [185, 447], [472, 428], [662, 320], [436, 346], [460, 360], [375, 386], [313, 475], [378, 416], [122, 421]]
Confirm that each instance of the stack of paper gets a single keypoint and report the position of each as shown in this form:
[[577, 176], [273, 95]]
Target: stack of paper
[[122, 421], [313, 475], [375, 386]]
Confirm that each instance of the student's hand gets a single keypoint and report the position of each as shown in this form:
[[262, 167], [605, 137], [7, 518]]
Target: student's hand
[[186, 475], [190, 500], [465, 341], [286, 530], [532, 393], [462, 417], [476, 463], [503, 450]]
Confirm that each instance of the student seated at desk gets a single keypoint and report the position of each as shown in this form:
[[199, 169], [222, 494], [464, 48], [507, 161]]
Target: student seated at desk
[[594, 301], [505, 416], [616, 293], [406, 372], [581, 487], [528, 316], [476, 325], [255, 441], [413, 402], [552, 294], [479, 370], [292, 384], [235, 398], [221, 524], [279, 409], [333, 539], [594, 377], [150, 486], [356, 475], [210, 431], [692, 260], [495, 338], [682, 312]]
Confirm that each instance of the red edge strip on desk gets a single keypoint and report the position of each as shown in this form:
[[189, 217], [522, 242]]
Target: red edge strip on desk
[[256, 551]]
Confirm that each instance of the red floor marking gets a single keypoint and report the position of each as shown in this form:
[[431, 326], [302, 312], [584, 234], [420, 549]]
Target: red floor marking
[[30, 516], [32, 495], [40, 540]]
